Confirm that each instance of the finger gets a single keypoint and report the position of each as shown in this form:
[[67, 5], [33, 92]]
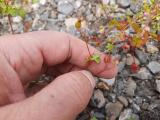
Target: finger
[[35, 48], [63, 99], [77, 52]]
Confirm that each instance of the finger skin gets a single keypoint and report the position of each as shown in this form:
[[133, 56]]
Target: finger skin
[[53, 102], [27, 52]]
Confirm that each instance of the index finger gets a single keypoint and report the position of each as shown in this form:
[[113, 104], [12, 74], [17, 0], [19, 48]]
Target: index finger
[[57, 47]]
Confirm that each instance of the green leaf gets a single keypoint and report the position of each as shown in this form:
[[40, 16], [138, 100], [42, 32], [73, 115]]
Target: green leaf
[[96, 58], [93, 118], [35, 1], [109, 47]]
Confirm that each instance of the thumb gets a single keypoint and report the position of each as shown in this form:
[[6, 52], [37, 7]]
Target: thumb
[[63, 99]]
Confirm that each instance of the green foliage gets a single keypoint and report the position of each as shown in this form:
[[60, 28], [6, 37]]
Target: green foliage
[[95, 57], [11, 10], [93, 118], [109, 47]]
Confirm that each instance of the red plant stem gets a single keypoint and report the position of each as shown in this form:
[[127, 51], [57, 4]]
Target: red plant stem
[[10, 23], [85, 39]]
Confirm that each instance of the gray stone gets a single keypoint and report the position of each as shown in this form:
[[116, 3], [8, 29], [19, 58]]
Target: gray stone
[[99, 115], [151, 48], [130, 60], [154, 67], [61, 17], [113, 109], [136, 108], [65, 7], [123, 100], [123, 3], [111, 97], [126, 114], [130, 87], [136, 5], [77, 4], [142, 56], [98, 97], [158, 85], [143, 74], [121, 65], [109, 82]]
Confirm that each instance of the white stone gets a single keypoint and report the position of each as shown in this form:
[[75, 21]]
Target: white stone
[[158, 85], [17, 19], [65, 7], [109, 82]]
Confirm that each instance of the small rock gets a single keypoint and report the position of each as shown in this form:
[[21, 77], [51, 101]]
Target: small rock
[[136, 108], [158, 85], [102, 86], [142, 56], [77, 4], [136, 6], [121, 65], [113, 109], [98, 98], [65, 7], [130, 60], [123, 3], [143, 74], [99, 115], [123, 100], [154, 67], [61, 17], [126, 114], [130, 87], [105, 1], [112, 2], [17, 19], [151, 48], [145, 106], [109, 82], [111, 97]]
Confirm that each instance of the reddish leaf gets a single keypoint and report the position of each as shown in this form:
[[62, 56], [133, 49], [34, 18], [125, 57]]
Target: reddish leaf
[[122, 25], [134, 68], [107, 58]]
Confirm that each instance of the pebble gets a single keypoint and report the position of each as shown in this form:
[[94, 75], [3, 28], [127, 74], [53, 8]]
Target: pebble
[[113, 109], [102, 86], [109, 82], [158, 85], [98, 98], [130, 60], [152, 49], [123, 100], [65, 7], [154, 67], [16, 19], [121, 64], [111, 97], [136, 108], [128, 115], [136, 6], [77, 4], [142, 56], [143, 74], [130, 87], [99, 115], [123, 3]]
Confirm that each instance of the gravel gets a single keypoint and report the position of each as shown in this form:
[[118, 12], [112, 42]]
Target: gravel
[[135, 92]]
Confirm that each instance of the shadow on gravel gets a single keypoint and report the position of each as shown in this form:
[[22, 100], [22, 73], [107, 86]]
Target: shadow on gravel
[[150, 115]]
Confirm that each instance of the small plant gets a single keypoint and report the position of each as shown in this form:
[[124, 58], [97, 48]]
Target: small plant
[[145, 24], [94, 118], [7, 8]]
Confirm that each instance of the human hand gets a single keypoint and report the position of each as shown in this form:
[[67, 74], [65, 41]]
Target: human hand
[[22, 57]]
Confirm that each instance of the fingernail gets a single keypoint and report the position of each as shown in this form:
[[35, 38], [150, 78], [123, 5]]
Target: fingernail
[[90, 77]]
